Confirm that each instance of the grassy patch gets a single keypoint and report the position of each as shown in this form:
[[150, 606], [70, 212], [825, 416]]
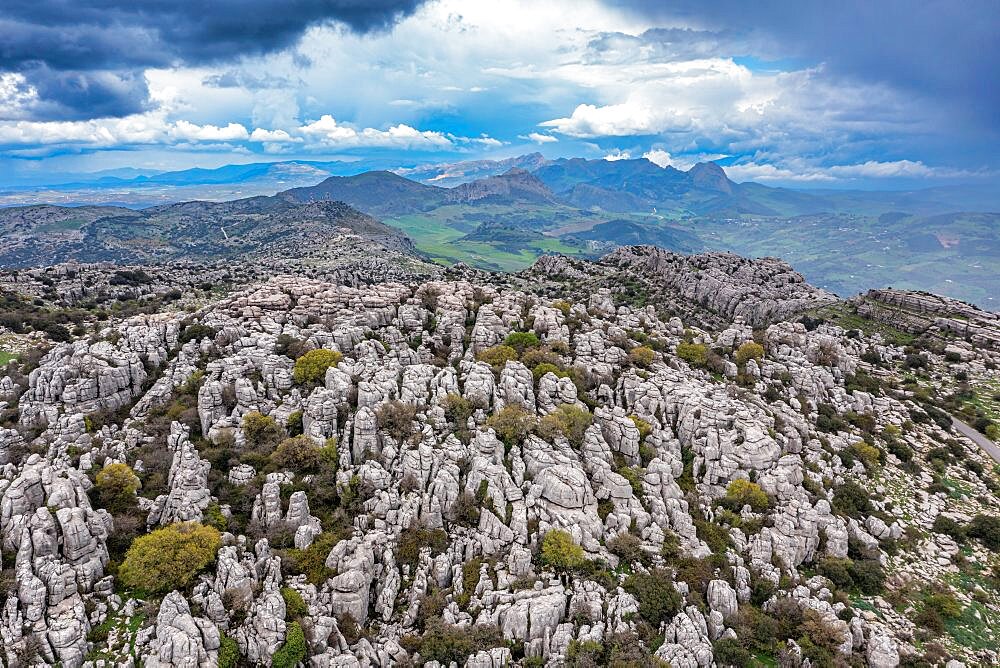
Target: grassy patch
[[6, 357]]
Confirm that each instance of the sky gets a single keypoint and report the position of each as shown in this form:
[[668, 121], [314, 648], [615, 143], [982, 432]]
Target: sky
[[803, 93]]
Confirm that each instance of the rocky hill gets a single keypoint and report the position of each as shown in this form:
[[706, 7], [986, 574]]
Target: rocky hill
[[44, 235], [353, 459]]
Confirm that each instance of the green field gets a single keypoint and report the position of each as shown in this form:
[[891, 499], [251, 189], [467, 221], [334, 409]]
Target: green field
[[6, 357], [440, 238]]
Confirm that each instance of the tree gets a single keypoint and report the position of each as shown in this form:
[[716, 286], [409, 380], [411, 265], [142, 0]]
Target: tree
[[298, 453], [569, 420], [742, 492], [512, 423], [116, 485], [311, 367], [260, 429], [658, 599], [169, 558], [641, 356], [559, 550], [749, 351], [695, 354]]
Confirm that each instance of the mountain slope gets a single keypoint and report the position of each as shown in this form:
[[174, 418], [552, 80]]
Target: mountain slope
[[379, 193]]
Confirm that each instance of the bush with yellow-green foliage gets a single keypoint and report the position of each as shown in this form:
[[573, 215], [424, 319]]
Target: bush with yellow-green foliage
[[497, 356], [567, 419], [645, 429], [512, 423], [260, 429], [311, 367], [641, 356], [169, 558], [116, 485], [749, 351], [295, 605], [695, 354], [742, 492], [548, 367], [869, 455], [563, 306], [560, 551]]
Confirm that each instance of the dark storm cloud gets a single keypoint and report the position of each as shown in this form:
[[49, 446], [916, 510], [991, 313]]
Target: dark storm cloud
[[944, 51], [86, 57]]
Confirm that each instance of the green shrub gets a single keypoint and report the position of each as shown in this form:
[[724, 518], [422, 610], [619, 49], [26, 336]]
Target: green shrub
[[169, 558], [260, 429], [311, 561], [396, 418], [215, 518], [116, 485], [445, 643], [695, 354], [512, 423], [293, 651], [520, 341], [658, 600], [548, 367], [294, 423], [229, 652], [457, 409], [195, 332], [749, 351], [868, 576], [634, 479], [417, 537], [838, 571], [729, 652], [949, 527], [987, 529], [559, 550], [944, 603], [641, 356], [742, 492], [311, 367], [628, 548], [295, 606], [497, 356], [299, 453], [852, 500], [569, 420], [584, 654]]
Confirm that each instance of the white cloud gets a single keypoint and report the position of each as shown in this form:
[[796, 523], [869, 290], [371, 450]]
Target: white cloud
[[618, 154], [191, 132], [802, 172], [658, 156], [539, 138], [328, 131], [272, 136]]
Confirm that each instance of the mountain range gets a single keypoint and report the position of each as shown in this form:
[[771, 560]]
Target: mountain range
[[946, 240]]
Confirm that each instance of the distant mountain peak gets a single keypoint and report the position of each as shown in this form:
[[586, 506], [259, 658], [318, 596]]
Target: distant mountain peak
[[516, 184], [711, 176]]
